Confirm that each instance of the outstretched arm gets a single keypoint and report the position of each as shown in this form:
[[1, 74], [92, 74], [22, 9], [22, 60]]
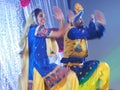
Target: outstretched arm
[[96, 30], [57, 33], [62, 28]]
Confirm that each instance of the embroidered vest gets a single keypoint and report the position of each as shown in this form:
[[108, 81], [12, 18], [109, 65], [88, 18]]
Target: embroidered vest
[[75, 48]]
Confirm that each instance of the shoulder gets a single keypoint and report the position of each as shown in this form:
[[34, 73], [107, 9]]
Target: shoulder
[[71, 32], [32, 29], [33, 26], [76, 30], [73, 29]]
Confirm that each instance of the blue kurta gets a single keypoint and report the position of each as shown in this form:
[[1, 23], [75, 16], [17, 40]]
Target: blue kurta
[[38, 54], [49, 75]]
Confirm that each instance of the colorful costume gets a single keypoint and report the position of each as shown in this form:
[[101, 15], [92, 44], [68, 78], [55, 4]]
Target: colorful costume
[[92, 74], [37, 70]]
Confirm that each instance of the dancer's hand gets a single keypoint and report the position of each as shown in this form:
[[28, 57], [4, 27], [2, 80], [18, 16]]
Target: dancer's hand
[[58, 14], [70, 16], [92, 18], [100, 17]]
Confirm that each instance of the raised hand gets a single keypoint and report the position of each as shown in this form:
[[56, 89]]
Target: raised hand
[[100, 17], [92, 18], [70, 16], [58, 14]]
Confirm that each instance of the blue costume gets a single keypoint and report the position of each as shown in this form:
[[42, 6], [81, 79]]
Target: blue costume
[[38, 48], [38, 57], [76, 50], [82, 33], [49, 75]]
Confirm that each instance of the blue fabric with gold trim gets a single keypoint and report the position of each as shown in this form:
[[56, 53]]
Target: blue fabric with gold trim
[[37, 54], [72, 60], [84, 71], [55, 77], [38, 59]]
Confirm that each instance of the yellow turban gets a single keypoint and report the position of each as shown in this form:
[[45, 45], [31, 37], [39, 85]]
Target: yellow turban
[[78, 7]]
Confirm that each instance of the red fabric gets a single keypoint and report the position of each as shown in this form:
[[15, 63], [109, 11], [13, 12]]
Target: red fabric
[[24, 3]]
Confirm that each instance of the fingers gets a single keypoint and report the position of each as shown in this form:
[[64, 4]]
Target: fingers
[[92, 18], [58, 13], [100, 17], [55, 15], [56, 9], [71, 16], [99, 14], [70, 12]]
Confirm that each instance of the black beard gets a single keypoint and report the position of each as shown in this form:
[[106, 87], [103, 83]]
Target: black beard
[[80, 26]]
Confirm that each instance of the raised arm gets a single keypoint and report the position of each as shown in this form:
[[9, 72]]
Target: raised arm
[[44, 32], [96, 30], [62, 28]]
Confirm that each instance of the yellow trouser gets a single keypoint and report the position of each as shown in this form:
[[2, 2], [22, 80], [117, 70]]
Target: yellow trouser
[[70, 82], [101, 74]]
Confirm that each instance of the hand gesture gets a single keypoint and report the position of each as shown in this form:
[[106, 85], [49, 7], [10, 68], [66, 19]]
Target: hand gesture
[[92, 18], [70, 16], [100, 17], [58, 14]]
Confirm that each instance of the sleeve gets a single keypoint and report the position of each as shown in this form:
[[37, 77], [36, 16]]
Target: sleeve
[[75, 33], [95, 31]]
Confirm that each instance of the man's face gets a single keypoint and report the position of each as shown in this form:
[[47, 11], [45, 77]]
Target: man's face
[[79, 23], [41, 18]]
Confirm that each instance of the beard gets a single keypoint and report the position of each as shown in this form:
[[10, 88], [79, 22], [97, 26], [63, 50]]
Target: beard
[[79, 25]]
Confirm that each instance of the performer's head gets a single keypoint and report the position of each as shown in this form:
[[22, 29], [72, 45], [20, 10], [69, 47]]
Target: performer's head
[[39, 16], [78, 21]]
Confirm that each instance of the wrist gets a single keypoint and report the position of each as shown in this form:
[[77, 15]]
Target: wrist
[[101, 22]]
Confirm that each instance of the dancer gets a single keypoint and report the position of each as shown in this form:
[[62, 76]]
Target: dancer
[[92, 74], [38, 45]]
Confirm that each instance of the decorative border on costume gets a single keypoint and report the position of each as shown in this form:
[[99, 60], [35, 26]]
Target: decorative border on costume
[[55, 76]]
